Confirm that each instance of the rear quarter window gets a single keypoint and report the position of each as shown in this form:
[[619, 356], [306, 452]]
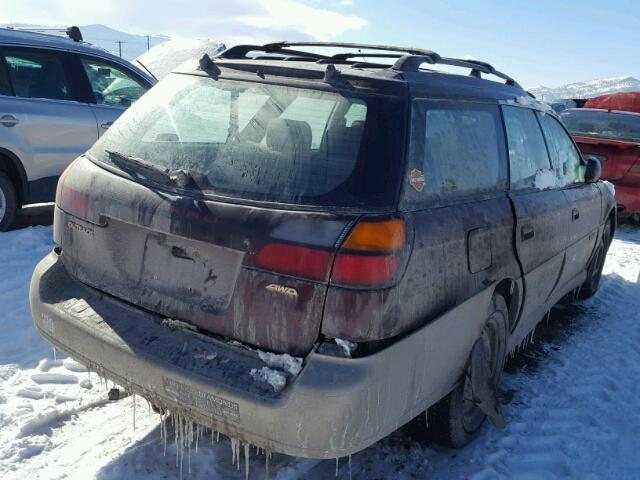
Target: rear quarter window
[[458, 147]]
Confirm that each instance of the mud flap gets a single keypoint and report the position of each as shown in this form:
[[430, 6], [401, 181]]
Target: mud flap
[[484, 393]]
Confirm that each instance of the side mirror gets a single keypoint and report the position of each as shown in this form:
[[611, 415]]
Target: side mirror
[[594, 170]]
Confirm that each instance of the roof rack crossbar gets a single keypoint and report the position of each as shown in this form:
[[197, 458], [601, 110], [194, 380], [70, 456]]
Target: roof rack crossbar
[[239, 52], [72, 32], [413, 62], [346, 56], [408, 58], [414, 51]]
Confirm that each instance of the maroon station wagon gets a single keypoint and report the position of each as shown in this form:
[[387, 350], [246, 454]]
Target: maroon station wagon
[[306, 251]]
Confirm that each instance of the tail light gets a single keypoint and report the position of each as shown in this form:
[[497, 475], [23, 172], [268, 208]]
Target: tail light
[[372, 254], [300, 261], [72, 201]]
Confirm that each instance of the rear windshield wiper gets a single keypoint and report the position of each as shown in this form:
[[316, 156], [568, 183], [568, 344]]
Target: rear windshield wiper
[[181, 178], [138, 162]]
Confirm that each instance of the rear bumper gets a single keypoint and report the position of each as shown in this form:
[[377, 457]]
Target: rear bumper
[[335, 407]]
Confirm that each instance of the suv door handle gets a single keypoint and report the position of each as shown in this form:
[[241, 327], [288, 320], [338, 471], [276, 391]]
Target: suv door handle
[[9, 120], [575, 214], [527, 232], [106, 125]]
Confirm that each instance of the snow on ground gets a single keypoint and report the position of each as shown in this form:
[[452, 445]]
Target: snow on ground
[[571, 402]]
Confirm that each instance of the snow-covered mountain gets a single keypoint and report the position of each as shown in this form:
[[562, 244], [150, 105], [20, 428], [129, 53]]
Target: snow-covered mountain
[[105, 37], [588, 89]]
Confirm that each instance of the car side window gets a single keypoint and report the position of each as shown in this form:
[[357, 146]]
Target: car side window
[[5, 83], [37, 74], [565, 157], [112, 85], [457, 150], [528, 157]]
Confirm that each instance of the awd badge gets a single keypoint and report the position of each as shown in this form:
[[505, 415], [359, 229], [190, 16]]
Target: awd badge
[[288, 291]]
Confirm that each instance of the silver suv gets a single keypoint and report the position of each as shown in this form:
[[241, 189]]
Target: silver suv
[[57, 96]]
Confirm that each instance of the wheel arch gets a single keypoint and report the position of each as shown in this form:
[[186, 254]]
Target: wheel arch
[[509, 290], [12, 166]]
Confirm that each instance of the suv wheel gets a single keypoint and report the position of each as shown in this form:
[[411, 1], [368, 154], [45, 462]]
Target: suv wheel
[[456, 419], [594, 272], [8, 202]]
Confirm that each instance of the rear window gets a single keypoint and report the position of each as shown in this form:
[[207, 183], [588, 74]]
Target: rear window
[[457, 150], [593, 123], [264, 142]]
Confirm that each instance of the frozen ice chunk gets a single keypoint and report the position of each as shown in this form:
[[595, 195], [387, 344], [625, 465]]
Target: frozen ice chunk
[[275, 378], [346, 345], [284, 361]]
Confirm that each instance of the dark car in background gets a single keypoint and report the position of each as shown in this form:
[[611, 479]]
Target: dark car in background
[[609, 129], [306, 251]]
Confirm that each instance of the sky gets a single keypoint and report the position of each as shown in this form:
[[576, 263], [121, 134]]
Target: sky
[[541, 42]]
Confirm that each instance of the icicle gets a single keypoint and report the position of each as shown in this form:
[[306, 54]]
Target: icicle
[[190, 442], [246, 461], [233, 451], [337, 467], [426, 419], [267, 457], [55, 353], [164, 429], [217, 436]]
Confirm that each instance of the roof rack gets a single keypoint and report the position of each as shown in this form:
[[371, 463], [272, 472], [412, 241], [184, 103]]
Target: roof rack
[[408, 58], [408, 63], [72, 32]]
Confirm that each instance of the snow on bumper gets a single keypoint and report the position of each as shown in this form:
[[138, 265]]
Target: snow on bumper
[[334, 407]]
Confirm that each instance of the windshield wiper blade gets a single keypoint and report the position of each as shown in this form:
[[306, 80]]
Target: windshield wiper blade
[[181, 178], [139, 162]]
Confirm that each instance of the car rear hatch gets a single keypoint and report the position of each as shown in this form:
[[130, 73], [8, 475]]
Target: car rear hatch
[[222, 203]]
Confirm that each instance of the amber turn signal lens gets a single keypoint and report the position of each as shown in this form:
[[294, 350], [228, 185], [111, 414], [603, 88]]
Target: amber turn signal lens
[[376, 236]]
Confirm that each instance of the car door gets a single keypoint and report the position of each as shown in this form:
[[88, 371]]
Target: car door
[[541, 214], [114, 88], [584, 199], [43, 121]]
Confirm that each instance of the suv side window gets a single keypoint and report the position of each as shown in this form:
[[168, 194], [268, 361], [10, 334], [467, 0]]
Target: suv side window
[[527, 151], [37, 74], [111, 85], [565, 158], [458, 148]]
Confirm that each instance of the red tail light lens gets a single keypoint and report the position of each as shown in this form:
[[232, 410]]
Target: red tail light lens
[[365, 269], [74, 202], [295, 260]]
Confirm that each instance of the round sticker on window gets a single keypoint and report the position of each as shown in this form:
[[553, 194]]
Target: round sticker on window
[[416, 179]]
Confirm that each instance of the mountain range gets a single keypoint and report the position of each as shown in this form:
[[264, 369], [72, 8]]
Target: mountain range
[[588, 89]]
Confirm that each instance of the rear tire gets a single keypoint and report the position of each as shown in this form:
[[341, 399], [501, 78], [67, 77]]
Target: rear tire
[[594, 272], [455, 421], [8, 202]]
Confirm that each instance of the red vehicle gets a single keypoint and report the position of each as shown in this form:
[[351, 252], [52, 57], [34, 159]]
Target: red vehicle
[[609, 129]]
